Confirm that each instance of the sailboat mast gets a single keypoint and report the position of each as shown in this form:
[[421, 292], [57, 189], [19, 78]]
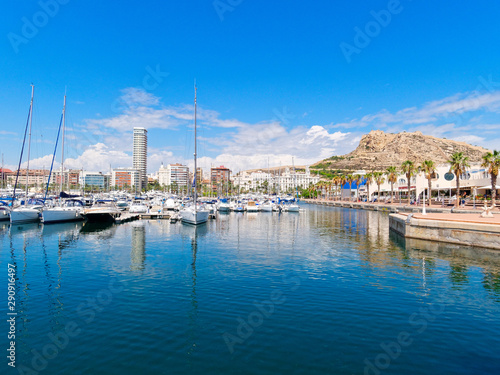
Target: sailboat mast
[[295, 178], [268, 175], [62, 147], [195, 151], [29, 144]]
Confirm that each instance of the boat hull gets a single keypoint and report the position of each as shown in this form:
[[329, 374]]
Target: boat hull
[[59, 215], [4, 214], [24, 215], [195, 218], [101, 215]]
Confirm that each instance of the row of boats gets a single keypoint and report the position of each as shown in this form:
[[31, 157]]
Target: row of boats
[[67, 210], [102, 209]]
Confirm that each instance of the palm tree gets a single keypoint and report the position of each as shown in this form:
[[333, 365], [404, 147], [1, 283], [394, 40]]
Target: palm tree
[[369, 180], [458, 165], [379, 179], [343, 180], [336, 182], [408, 168], [358, 178], [392, 176], [331, 183], [350, 179], [492, 162], [429, 168]]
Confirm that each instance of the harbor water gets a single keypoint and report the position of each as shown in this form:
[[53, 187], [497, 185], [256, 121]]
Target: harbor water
[[323, 291]]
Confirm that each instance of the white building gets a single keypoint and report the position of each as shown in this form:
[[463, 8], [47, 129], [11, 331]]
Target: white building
[[475, 179], [282, 182], [140, 155], [173, 174]]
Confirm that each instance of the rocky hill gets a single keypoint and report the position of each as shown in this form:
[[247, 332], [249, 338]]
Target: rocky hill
[[378, 150]]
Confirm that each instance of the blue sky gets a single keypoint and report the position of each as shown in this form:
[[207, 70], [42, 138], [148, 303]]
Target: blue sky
[[274, 78]]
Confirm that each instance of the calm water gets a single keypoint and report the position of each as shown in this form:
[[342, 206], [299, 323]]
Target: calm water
[[327, 291]]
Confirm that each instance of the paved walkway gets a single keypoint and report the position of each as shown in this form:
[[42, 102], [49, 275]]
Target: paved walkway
[[404, 203], [464, 218]]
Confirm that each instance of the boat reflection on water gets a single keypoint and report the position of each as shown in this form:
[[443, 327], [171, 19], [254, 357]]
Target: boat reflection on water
[[193, 232], [4, 226], [92, 228], [138, 251], [28, 228], [60, 228]]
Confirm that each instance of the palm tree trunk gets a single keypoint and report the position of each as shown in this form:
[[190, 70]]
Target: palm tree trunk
[[408, 176], [430, 191], [493, 188], [392, 192], [458, 190]]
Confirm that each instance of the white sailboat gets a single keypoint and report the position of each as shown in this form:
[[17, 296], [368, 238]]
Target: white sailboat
[[72, 209], [26, 213], [193, 214]]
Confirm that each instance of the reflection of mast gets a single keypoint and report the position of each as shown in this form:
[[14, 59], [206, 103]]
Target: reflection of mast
[[55, 305], [424, 284], [138, 252], [194, 302]]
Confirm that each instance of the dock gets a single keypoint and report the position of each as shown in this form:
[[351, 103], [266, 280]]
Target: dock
[[459, 229]]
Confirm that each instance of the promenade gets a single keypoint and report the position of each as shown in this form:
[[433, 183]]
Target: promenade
[[403, 206]]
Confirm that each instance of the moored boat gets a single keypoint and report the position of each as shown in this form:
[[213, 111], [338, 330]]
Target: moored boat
[[193, 214], [138, 206], [4, 211], [71, 210], [102, 211]]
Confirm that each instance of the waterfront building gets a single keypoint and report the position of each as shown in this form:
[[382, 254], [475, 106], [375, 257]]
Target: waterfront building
[[122, 178], [289, 180], [199, 174], [219, 177], [36, 178], [173, 174], [94, 179], [242, 180], [140, 155], [70, 178], [4, 176], [285, 181]]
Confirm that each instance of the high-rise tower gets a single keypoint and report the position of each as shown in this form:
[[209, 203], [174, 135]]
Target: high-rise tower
[[140, 155]]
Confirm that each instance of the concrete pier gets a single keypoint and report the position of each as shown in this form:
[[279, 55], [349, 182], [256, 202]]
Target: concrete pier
[[459, 229]]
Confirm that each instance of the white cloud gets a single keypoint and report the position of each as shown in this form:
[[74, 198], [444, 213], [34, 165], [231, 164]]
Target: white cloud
[[252, 145], [471, 139], [455, 105]]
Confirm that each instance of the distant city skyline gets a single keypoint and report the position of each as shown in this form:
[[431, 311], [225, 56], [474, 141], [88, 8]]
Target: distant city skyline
[[307, 83]]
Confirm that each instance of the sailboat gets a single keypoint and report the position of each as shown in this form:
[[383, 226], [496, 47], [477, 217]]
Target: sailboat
[[25, 213], [193, 214], [71, 209]]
